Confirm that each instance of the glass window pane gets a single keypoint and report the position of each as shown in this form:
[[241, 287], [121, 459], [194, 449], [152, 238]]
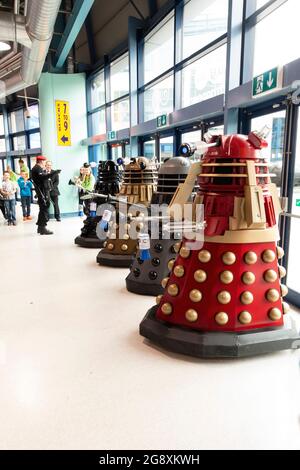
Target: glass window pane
[[33, 122], [274, 151], [20, 143], [149, 148], [216, 130], [128, 151], [191, 137], [35, 140], [158, 99], [116, 152], [2, 145], [166, 148], [98, 122], [270, 48], [1, 126], [159, 51], [119, 78], [120, 115], [204, 78], [16, 121], [98, 91], [203, 21]]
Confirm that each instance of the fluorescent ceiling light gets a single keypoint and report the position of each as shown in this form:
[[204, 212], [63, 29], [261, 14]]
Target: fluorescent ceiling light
[[4, 46]]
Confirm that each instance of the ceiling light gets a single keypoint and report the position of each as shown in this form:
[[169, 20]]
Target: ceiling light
[[4, 46]]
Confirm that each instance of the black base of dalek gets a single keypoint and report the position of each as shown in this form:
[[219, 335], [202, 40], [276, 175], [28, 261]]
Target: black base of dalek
[[217, 344], [145, 277], [114, 261], [86, 242]]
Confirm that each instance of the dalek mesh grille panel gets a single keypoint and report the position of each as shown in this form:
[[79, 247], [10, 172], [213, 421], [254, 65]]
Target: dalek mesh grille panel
[[146, 276], [139, 185], [108, 183], [225, 298]]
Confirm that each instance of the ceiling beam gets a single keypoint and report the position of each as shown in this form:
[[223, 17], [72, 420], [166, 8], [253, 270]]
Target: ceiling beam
[[153, 7], [90, 38], [75, 22]]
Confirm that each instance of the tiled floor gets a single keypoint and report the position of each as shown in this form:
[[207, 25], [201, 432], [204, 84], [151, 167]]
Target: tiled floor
[[75, 374]]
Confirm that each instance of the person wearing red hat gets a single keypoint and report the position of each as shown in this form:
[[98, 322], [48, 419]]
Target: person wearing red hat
[[40, 177]]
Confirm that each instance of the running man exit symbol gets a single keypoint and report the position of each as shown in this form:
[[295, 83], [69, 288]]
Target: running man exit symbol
[[63, 123]]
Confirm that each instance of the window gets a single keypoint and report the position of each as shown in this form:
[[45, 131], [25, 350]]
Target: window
[[16, 121], [270, 48], [159, 51], [19, 142], [293, 262], [98, 91], [119, 78], [166, 148], [191, 137], [120, 115], [35, 140], [149, 149], [216, 130], [1, 125], [2, 145], [116, 152], [98, 122], [34, 121], [203, 22], [127, 151], [204, 78], [158, 99], [274, 152]]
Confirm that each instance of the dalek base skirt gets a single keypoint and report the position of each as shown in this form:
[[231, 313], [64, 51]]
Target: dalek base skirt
[[114, 261], [85, 242], [218, 344]]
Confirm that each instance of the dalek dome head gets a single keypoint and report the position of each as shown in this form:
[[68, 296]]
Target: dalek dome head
[[236, 146], [175, 166], [225, 165]]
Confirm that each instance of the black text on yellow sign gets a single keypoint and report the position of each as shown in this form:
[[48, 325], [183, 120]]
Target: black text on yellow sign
[[63, 123]]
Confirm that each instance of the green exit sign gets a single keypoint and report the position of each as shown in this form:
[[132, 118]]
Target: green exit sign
[[267, 82], [162, 121], [112, 135], [297, 202]]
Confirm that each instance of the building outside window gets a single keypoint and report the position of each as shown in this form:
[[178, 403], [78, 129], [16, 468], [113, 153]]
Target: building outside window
[[272, 34], [119, 77], [204, 78], [98, 91], [98, 122], [203, 22], [159, 50], [158, 99], [120, 115]]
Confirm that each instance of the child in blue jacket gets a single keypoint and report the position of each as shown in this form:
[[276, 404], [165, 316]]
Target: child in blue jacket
[[26, 195]]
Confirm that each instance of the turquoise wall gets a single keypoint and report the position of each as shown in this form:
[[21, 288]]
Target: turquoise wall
[[70, 88]]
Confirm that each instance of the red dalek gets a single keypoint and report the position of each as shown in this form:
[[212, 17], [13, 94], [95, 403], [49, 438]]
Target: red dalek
[[225, 298]]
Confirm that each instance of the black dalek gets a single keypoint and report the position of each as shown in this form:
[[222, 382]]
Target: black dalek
[[138, 186], [108, 183], [147, 276]]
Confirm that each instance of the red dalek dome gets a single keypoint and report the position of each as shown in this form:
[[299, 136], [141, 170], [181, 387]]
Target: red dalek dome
[[225, 298]]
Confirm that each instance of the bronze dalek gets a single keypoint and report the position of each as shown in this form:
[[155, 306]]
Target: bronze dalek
[[225, 299], [146, 276], [139, 184], [108, 183]]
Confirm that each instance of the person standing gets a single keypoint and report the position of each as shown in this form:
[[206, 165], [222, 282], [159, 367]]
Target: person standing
[[54, 191], [23, 167], [8, 190], [40, 177], [26, 195]]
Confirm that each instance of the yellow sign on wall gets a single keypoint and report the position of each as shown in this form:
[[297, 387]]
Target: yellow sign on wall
[[63, 123]]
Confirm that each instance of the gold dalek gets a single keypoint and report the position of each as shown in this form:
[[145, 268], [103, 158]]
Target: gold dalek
[[139, 184]]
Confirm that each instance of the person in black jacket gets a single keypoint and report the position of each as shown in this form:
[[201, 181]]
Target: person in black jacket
[[54, 191], [40, 179]]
